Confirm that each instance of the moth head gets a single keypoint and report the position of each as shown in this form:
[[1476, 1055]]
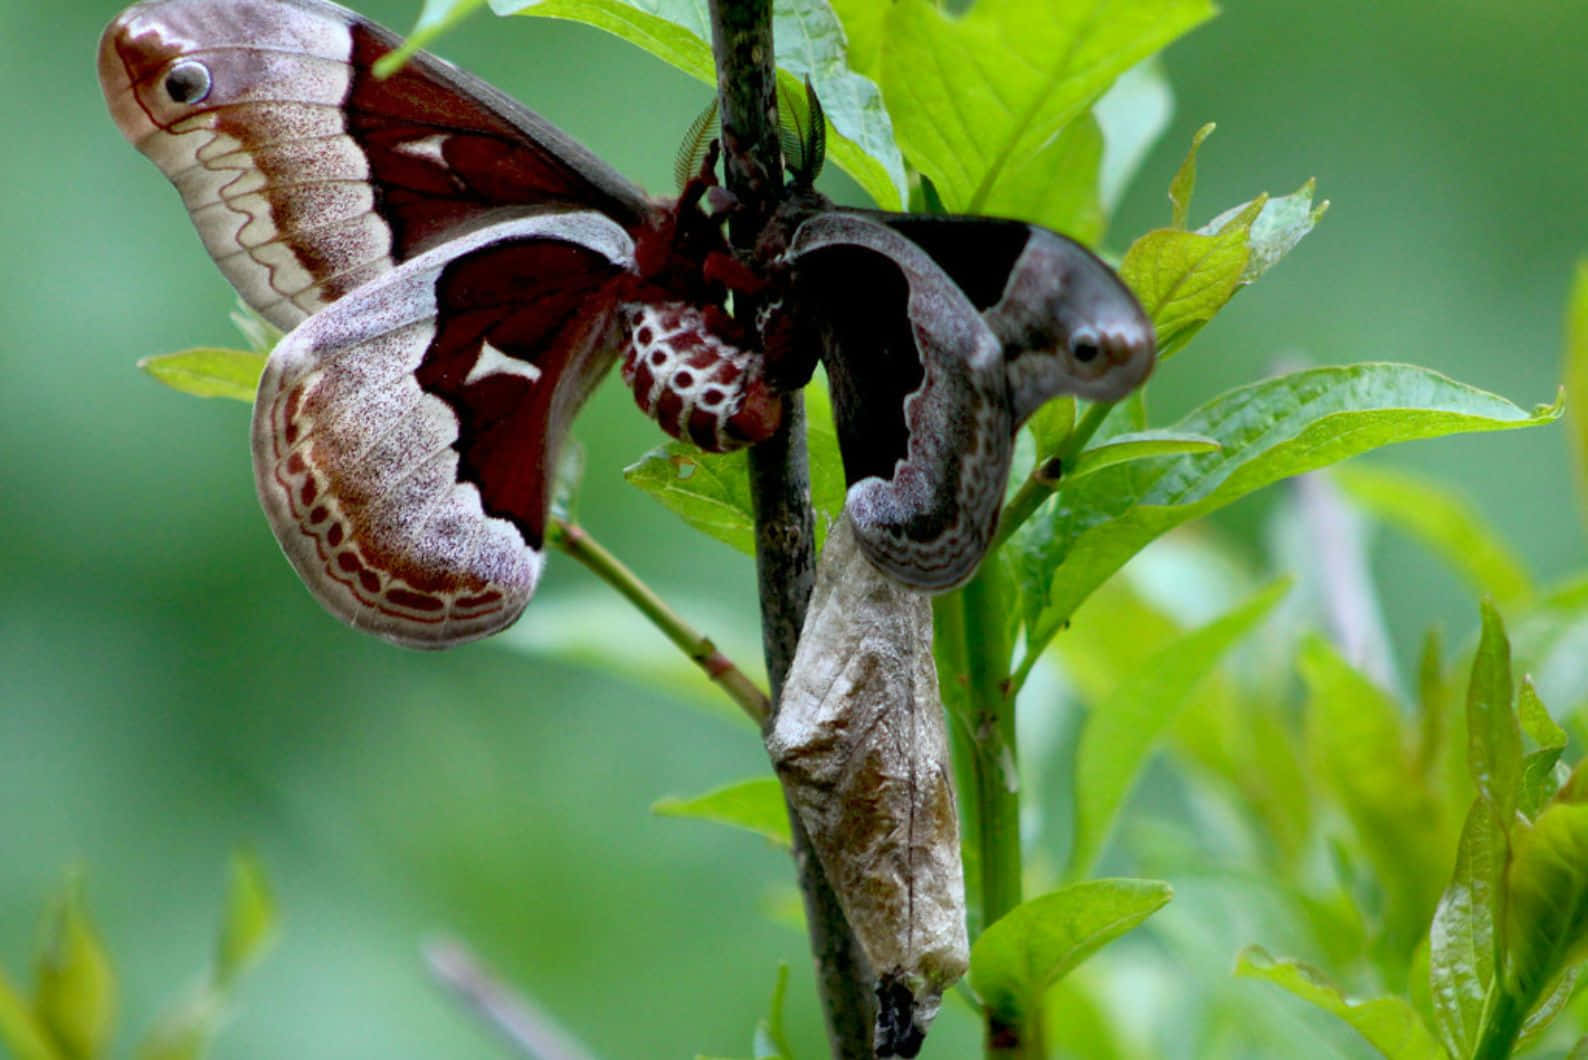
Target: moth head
[[1069, 326], [165, 66]]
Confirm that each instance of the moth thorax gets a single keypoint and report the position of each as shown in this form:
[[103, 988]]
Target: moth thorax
[[697, 385]]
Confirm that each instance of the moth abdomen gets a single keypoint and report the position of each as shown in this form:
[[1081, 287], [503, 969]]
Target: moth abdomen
[[697, 385]]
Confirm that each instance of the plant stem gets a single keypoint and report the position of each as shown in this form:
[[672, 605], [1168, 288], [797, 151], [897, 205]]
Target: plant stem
[[575, 541], [533, 1032], [994, 765], [780, 490], [1040, 484], [992, 711]]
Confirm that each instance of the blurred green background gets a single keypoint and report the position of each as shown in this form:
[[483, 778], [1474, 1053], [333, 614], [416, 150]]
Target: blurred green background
[[168, 690]]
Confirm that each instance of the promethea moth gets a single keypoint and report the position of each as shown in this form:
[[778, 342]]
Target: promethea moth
[[458, 275]]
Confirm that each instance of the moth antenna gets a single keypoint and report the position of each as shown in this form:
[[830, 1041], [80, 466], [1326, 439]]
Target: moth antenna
[[698, 140], [817, 153], [802, 130]]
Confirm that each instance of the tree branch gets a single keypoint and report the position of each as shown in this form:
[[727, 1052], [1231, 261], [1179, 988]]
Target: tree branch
[[780, 488]]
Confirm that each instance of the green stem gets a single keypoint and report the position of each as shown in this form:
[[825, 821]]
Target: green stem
[[983, 630], [992, 734], [573, 540], [1042, 482], [1501, 1028]]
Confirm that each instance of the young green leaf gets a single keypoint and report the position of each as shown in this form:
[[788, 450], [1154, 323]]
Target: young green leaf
[[20, 1031], [810, 42], [755, 805], [1279, 225], [75, 998], [1539, 767], [1121, 730], [1137, 445], [1390, 1024], [1052, 424], [1184, 278], [709, 491], [972, 95], [1576, 376], [1268, 431], [1039, 942], [771, 1040], [1462, 938], [1184, 181], [435, 18], [207, 372], [1547, 909], [1361, 753], [1494, 740], [251, 923], [1444, 522]]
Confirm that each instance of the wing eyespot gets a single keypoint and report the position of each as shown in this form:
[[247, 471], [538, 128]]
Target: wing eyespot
[[1084, 347], [188, 82]]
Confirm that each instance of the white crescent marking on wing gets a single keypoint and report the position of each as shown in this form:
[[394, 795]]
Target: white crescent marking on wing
[[493, 361]]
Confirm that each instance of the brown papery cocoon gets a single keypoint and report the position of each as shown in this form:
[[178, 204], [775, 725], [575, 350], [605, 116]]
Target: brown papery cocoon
[[862, 750]]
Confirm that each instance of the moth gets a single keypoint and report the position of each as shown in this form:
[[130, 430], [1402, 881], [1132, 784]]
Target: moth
[[457, 276]]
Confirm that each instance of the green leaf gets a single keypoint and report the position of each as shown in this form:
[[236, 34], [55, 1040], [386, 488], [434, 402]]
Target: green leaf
[[1494, 740], [1184, 278], [1052, 424], [1547, 908], [1538, 767], [1390, 1024], [1133, 115], [1576, 377], [810, 42], [1039, 942], [1279, 225], [76, 987], [20, 1032], [251, 922], [1122, 729], [863, 22], [771, 1039], [1462, 938], [1359, 745], [1184, 181], [435, 18], [1269, 431], [1444, 522], [971, 96], [1058, 185], [755, 805], [709, 491], [207, 372], [1137, 445]]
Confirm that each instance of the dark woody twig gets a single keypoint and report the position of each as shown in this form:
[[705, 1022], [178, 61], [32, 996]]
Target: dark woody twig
[[780, 486]]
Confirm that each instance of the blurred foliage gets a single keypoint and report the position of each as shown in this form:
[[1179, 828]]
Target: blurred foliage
[[168, 688], [73, 1012]]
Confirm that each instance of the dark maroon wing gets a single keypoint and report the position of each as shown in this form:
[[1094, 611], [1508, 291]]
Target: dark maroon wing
[[306, 175], [406, 437], [940, 336]]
